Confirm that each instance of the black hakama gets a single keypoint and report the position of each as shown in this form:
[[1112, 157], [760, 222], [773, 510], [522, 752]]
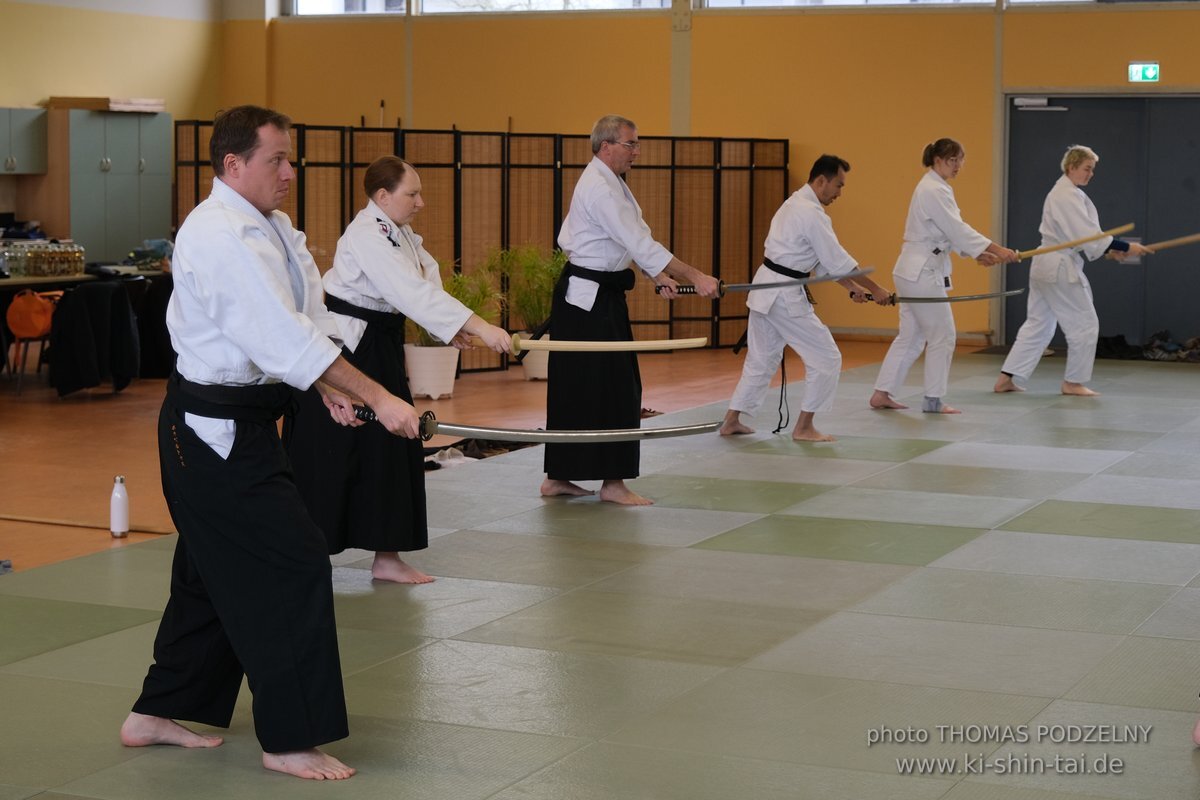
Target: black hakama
[[250, 582], [364, 487], [593, 390]]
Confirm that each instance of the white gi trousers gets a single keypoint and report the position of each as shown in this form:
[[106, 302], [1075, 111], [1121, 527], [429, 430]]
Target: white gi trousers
[[923, 326], [1052, 303], [768, 334]]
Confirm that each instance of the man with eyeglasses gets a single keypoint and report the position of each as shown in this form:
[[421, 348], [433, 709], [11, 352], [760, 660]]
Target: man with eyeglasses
[[603, 233]]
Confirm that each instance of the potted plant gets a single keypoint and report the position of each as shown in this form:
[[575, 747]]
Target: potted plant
[[431, 364], [532, 275]]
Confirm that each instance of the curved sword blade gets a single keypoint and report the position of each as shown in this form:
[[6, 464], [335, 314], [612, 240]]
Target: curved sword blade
[[430, 427], [958, 298], [751, 287]]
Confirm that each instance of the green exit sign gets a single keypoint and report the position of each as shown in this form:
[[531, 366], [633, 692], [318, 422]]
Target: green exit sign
[[1143, 72]]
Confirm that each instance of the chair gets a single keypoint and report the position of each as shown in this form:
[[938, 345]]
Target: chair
[[29, 318]]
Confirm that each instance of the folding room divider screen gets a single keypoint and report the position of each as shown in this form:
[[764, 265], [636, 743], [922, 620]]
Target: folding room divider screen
[[709, 200]]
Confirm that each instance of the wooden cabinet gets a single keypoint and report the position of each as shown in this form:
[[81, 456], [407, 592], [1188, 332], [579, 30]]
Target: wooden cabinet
[[22, 141], [108, 184]]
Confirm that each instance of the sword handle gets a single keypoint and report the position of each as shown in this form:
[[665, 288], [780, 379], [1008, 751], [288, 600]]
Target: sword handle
[[871, 298], [426, 429], [687, 288]]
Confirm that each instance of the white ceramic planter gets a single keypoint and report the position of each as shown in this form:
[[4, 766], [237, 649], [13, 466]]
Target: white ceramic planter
[[430, 370], [536, 362]]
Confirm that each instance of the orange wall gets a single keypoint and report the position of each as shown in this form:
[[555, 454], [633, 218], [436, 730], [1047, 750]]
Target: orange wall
[[1090, 49], [334, 71], [873, 89], [547, 73]]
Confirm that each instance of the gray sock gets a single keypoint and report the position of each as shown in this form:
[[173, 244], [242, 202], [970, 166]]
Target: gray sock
[[932, 405]]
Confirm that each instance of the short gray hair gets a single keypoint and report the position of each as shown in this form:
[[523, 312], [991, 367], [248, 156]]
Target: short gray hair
[[1077, 154], [608, 129]]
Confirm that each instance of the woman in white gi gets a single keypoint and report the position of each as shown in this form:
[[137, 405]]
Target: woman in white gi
[[366, 489], [1059, 292], [800, 242], [934, 227]]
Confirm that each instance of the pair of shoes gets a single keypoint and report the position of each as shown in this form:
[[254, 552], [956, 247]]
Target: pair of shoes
[[650, 412]]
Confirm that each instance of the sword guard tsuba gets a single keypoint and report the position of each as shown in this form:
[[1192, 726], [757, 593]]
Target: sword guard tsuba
[[426, 433], [892, 299]]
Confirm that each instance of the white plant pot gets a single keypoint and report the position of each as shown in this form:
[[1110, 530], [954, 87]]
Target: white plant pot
[[430, 370], [536, 362]]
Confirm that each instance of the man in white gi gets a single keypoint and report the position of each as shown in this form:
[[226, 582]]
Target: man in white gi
[[601, 235], [250, 583], [800, 242]]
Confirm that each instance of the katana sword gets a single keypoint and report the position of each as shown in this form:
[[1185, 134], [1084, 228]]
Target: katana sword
[[563, 345], [958, 298], [430, 427], [687, 288], [1054, 248]]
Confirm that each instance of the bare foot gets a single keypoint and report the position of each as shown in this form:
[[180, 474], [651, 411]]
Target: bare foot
[[311, 764], [945, 409], [140, 730], [1078, 389], [389, 567], [1196, 733], [553, 488], [733, 425], [618, 492], [812, 435], [882, 399], [1005, 383]]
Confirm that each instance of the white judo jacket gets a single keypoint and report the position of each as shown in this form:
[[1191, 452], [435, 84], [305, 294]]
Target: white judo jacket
[[801, 237], [382, 266], [1067, 214], [934, 223]]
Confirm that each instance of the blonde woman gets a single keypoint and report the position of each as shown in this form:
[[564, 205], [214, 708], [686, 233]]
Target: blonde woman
[[1059, 292]]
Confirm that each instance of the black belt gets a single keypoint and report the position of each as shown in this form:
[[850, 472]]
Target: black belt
[[788, 271], [265, 402], [384, 319], [622, 279]]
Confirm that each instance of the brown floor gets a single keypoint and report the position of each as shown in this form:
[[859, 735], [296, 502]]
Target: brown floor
[[58, 456]]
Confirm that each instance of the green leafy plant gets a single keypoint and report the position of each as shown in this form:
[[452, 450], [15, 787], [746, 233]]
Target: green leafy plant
[[475, 290], [532, 274]]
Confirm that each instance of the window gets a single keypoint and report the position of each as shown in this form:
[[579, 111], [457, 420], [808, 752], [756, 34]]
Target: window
[[302, 7], [466, 6]]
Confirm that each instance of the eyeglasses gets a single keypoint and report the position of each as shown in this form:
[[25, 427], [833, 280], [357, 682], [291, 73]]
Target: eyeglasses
[[635, 145]]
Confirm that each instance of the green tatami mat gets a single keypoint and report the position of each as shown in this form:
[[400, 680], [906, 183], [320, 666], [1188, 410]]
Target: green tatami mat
[[1110, 520], [844, 539]]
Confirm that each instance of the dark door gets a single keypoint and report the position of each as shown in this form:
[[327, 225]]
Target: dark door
[[1148, 173]]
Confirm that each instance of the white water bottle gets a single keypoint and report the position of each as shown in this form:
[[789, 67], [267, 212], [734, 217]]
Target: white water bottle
[[118, 512]]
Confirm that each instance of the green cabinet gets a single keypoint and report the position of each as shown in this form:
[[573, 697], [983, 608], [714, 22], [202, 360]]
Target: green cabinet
[[120, 181], [22, 141]]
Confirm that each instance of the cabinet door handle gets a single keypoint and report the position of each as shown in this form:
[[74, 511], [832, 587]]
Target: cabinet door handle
[[10, 163], [102, 167], [141, 165]]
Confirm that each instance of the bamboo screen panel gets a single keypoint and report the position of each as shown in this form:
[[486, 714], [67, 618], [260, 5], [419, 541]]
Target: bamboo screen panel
[[435, 222], [649, 313], [531, 213], [736, 249], [709, 200], [481, 220], [694, 211], [322, 190]]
